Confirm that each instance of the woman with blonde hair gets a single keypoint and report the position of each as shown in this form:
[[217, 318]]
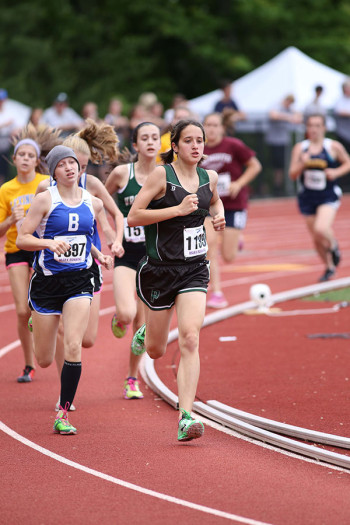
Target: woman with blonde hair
[[16, 196]]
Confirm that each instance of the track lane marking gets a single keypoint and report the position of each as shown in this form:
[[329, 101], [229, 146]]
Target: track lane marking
[[125, 484]]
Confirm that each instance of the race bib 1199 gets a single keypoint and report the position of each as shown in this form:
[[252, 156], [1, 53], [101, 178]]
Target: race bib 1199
[[195, 242]]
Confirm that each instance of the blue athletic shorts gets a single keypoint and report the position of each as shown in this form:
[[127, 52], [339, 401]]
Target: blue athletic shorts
[[310, 200], [236, 219]]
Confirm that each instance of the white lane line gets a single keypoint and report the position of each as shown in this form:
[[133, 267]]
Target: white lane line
[[126, 484], [116, 481], [9, 347], [7, 307]]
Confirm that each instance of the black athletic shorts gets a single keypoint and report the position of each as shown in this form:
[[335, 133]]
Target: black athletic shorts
[[48, 293], [158, 283], [19, 257], [134, 251], [96, 270]]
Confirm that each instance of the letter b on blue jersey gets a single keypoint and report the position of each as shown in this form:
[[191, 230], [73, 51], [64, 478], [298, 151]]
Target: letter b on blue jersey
[[73, 224]]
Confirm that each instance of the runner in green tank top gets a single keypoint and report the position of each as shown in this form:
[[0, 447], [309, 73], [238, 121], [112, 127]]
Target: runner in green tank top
[[172, 206], [125, 182]]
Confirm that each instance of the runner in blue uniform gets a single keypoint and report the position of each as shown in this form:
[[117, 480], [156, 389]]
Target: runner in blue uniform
[[63, 219], [172, 205], [125, 182], [316, 164], [95, 143]]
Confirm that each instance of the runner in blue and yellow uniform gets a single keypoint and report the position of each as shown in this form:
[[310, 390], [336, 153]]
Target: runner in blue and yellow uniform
[[316, 164], [172, 205]]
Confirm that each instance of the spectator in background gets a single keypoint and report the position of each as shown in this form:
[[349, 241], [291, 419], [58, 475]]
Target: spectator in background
[[35, 117], [178, 100], [120, 123], [138, 115], [342, 116], [227, 102], [61, 116], [7, 131], [278, 137], [315, 107], [180, 113], [153, 109], [90, 110]]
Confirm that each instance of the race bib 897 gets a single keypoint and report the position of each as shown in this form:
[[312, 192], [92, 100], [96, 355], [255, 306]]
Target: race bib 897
[[77, 251]]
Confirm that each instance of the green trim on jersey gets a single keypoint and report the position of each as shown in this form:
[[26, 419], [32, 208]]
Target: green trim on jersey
[[127, 196]]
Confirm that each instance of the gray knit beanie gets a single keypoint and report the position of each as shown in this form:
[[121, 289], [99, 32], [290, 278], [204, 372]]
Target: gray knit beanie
[[56, 155]]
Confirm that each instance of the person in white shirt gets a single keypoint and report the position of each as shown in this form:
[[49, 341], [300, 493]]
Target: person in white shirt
[[61, 116]]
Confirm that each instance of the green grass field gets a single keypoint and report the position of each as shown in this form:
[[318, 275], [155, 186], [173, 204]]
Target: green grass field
[[336, 296]]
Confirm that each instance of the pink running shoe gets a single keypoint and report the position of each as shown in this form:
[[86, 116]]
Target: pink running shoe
[[217, 300]]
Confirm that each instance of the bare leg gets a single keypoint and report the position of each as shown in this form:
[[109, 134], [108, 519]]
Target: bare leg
[[213, 256], [230, 242], [320, 227], [19, 279], [45, 329], [139, 319], [190, 309], [92, 328]]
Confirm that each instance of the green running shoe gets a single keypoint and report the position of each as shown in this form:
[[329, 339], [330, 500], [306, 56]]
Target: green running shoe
[[62, 425], [118, 329], [30, 324], [138, 341], [189, 428]]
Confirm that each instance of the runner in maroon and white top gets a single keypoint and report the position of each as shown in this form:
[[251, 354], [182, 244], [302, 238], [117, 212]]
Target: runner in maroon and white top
[[237, 166]]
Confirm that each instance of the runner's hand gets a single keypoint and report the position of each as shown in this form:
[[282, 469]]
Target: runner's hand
[[117, 249], [218, 222], [17, 213], [189, 204], [106, 261], [59, 247]]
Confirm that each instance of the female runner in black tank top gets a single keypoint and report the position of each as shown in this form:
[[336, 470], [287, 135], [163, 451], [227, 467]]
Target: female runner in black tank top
[[176, 274]]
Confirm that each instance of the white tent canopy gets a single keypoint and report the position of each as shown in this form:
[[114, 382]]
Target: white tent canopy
[[290, 72]]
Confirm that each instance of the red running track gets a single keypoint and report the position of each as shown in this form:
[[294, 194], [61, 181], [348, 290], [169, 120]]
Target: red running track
[[130, 447]]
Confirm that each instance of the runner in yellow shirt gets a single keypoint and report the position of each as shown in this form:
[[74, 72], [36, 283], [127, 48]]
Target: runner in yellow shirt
[[16, 196]]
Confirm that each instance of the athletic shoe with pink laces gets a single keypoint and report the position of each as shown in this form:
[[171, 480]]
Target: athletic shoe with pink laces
[[119, 329], [217, 300], [131, 389], [61, 424]]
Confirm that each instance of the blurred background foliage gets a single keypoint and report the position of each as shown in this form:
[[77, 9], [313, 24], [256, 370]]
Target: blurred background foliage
[[96, 50]]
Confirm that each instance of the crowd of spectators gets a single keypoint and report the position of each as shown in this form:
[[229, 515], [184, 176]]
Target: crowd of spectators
[[281, 120]]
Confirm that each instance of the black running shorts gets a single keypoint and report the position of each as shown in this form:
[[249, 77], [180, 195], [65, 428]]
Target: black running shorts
[[48, 293], [19, 257], [158, 283], [96, 270], [134, 251]]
